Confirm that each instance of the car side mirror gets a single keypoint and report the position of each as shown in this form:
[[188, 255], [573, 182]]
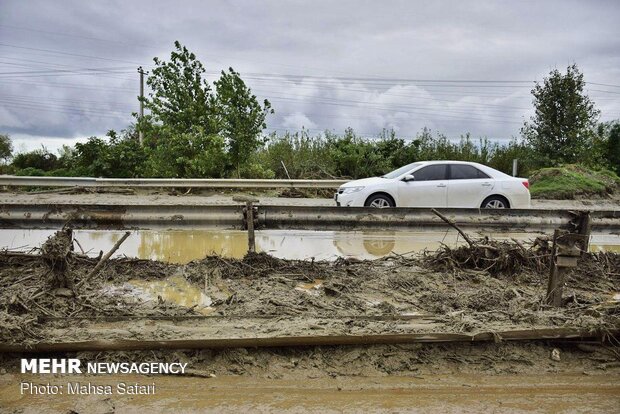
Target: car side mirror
[[409, 177]]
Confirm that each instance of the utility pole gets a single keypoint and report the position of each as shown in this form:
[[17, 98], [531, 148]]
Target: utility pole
[[140, 134]]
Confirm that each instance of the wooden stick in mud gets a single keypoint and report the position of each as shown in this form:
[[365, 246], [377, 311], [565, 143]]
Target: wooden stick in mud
[[198, 342], [250, 221], [453, 224], [105, 258]]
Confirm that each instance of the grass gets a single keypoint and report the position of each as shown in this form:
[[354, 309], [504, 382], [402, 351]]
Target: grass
[[573, 181]]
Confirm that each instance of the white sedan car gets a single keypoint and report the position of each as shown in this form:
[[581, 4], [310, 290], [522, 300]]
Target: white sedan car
[[437, 184]]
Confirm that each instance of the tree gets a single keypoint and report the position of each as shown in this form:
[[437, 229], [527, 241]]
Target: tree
[[613, 147], [189, 117], [240, 118], [6, 147], [562, 127], [181, 98]]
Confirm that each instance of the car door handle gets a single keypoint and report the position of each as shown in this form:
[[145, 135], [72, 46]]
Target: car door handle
[[486, 184], [441, 185]]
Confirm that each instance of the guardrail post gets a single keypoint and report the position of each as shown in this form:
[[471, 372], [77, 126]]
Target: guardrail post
[[248, 219], [565, 253], [583, 226]]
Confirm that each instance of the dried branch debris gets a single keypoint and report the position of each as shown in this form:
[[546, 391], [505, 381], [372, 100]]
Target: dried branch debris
[[496, 257]]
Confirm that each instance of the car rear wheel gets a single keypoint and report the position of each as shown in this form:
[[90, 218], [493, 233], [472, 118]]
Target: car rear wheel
[[379, 201], [495, 202]]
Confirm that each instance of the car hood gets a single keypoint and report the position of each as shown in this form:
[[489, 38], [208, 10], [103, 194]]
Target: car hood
[[365, 182]]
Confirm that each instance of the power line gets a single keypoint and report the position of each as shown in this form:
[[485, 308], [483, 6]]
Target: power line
[[598, 90], [76, 101], [60, 106], [81, 104], [385, 106], [73, 35], [418, 97], [57, 72], [68, 85], [58, 52], [381, 79], [67, 111], [48, 65]]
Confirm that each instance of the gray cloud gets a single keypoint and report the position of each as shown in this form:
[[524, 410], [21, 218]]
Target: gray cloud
[[325, 43]]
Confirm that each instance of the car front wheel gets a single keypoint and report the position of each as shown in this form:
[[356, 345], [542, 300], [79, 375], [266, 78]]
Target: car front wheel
[[379, 201]]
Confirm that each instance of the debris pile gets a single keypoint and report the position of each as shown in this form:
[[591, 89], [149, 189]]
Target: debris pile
[[484, 286], [495, 257]]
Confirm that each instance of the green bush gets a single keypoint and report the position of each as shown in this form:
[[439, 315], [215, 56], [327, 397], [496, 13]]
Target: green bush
[[189, 155], [255, 170], [7, 169], [30, 172], [61, 172], [304, 156], [40, 159]]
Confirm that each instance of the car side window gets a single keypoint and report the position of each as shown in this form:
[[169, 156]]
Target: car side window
[[465, 172], [431, 173]]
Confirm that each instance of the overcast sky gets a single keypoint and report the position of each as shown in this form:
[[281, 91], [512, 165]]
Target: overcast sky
[[68, 68]]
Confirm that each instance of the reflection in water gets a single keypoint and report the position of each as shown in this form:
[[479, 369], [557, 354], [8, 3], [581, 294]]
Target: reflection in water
[[182, 246], [313, 288], [185, 246], [175, 289]]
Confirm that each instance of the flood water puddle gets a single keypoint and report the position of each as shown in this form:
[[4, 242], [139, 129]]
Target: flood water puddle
[[174, 290], [183, 246]]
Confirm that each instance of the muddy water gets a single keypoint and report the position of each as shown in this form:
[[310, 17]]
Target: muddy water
[[454, 393], [182, 246], [175, 289]]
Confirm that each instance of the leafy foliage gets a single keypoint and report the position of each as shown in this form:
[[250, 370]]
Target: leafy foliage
[[120, 156], [181, 99], [562, 128], [350, 156], [612, 147], [6, 147], [193, 154], [194, 130], [239, 117], [40, 159]]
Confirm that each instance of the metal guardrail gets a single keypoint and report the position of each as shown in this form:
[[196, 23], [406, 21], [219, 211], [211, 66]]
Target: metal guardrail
[[288, 217], [11, 180]]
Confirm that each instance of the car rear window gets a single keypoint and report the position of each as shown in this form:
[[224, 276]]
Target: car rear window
[[465, 172], [431, 173]]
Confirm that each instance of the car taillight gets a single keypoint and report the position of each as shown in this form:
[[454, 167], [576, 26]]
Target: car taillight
[[526, 184]]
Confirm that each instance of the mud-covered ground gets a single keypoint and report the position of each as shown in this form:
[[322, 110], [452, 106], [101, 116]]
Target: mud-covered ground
[[206, 197], [502, 289]]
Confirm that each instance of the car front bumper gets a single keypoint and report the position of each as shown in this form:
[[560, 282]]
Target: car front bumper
[[349, 200]]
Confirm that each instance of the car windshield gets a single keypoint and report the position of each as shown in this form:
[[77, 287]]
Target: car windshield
[[401, 170]]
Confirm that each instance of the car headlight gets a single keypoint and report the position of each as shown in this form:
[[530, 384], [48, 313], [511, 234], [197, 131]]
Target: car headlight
[[350, 190]]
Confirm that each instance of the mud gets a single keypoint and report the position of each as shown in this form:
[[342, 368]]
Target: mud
[[456, 393], [262, 295], [266, 197]]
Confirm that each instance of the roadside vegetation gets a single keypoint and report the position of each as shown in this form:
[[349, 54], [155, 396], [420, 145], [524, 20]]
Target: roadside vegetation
[[194, 129], [572, 181]]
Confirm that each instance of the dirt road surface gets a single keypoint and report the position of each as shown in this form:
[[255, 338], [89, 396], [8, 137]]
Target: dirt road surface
[[164, 198], [459, 393]]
